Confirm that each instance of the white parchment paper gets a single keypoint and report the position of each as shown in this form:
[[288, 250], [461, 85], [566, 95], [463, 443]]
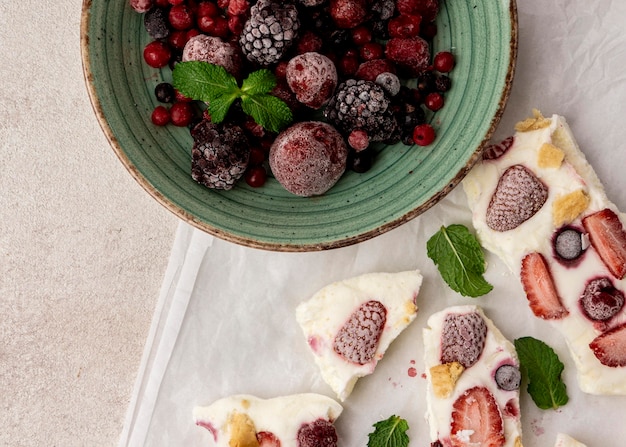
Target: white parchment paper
[[225, 321]]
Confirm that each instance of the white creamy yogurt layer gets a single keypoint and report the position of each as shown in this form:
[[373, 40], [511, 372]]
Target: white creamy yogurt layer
[[563, 440], [536, 235], [497, 351], [281, 416], [322, 317]]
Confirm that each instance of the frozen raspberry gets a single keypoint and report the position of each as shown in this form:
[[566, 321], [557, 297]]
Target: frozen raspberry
[[404, 25], [348, 13], [215, 51], [320, 433], [313, 79], [371, 69], [412, 53], [141, 6], [309, 42], [518, 196], [308, 158], [357, 340], [463, 338], [237, 7], [220, 154], [428, 9], [601, 300]]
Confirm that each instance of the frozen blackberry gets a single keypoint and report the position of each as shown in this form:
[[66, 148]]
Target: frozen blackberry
[[156, 23], [361, 104], [269, 32], [384, 9], [220, 154]]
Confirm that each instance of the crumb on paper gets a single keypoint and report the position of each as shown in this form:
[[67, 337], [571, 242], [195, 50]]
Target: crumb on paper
[[444, 378], [536, 122], [567, 208], [550, 156]]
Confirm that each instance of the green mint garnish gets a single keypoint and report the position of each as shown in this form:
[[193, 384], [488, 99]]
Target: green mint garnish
[[213, 85], [459, 258], [540, 364], [389, 433]]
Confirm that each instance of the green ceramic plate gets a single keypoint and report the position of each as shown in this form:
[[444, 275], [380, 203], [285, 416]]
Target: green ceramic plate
[[404, 182]]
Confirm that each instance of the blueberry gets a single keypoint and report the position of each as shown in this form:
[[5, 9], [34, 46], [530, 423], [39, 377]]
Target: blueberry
[[568, 244], [508, 377], [156, 23], [361, 162]]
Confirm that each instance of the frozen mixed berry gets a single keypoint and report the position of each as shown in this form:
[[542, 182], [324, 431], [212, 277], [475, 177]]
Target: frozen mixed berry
[[404, 25], [358, 140], [361, 35], [601, 300], [434, 101], [357, 340], [362, 105], [443, 83], [411, 53], [216, 26], [220, 154], [427, 9], [182, 114], [181, 17], [371, 51], [309, 42], [319, 433], [270, 31], [383, 10], [160, 116], [390, 82], [424, 134], [157, 54], [165, 92], [463, 338], [508, 377], [443, 61], [313, 78], [215, 51], [156, 23], [370, 70], [568, 244], [256, 176], [348, 13], [308, 158], [361, 161], [141, 6]]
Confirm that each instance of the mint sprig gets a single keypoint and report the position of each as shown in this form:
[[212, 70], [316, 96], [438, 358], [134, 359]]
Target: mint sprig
[[390, 432], [460, 260], [216, 87], [541, 365]]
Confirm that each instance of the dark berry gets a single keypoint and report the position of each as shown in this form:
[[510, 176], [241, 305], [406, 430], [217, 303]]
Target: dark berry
[[255, 176], [443, 62], [601, 300], [423, 134], [157, 54], [207, 9], [176, 2], [428, 30], [182, 114], [348, 65], [362, 161], [257, 156], [434, 101], [320, 433], [160, 116], [404, 25], [181, 17], [425, 82], [165, 92], [361, 35], [508, 377], [568, 244], [371, 51], [390, 82], [443, 83], [156, 23]]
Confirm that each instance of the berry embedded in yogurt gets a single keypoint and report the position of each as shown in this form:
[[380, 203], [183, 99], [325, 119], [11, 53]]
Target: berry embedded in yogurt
[[308, 158], [349, 324]]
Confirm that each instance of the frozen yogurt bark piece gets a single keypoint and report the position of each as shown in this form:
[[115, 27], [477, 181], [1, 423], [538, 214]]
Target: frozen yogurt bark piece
[[538, 204], [350, 324], [563, 440], [298, 420], [473, 381]]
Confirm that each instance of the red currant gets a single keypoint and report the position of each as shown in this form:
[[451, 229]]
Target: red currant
[[214, 26], [348, 65], [434, 101], [160, 116], [443, 61], [207, 9], [255, 176], [371, 51], [423, 134], [361, 35], [181, 17], [181, 114], [257, 156], [236, 24], [176, 2], [157, 54], [177, 39], [237, 7], [404, 26]]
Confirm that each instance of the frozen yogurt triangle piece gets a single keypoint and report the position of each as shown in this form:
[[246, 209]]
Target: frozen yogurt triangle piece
[[538, 204], [563, 440], [350, 324], [473, 381], [299, 420]]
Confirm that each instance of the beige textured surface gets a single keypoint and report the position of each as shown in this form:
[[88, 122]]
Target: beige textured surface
[[83, 248]]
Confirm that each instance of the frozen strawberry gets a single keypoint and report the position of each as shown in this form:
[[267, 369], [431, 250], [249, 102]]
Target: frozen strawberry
[[348, 13], [428, 9], [476, 420], [518, 196], [601, 300], [312, 77], [497, 150], [411, 53], [267, 439], [320, 433], [608, 238], [463, 338], [610, 347], [540, 290], [357, 340]]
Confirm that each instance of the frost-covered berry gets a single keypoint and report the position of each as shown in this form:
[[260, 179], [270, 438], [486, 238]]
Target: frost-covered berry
[[215, 51], [390, 82], [313, 78]]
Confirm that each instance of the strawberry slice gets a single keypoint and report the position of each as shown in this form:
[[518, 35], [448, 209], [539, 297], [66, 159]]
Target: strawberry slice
[[540, 290], [608, 238], [610, 347], [357, 340], [267, 439], [476, 420]]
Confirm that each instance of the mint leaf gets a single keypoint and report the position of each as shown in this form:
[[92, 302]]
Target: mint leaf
[[541, 365], [268, 111], [389, 433], [259, 82], [203, 81], [219, 105], [459, 258]]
